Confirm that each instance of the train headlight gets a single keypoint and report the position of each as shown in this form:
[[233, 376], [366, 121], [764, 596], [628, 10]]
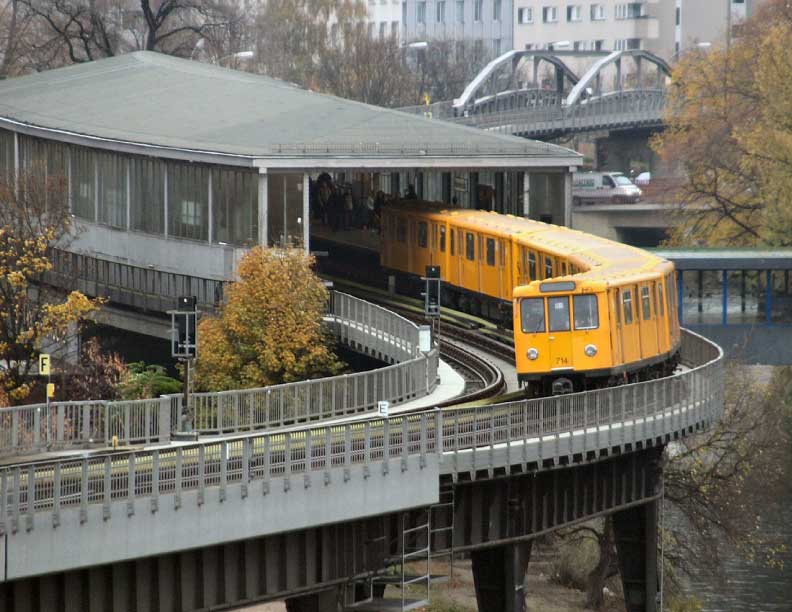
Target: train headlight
[[590, 350], [532, 354]]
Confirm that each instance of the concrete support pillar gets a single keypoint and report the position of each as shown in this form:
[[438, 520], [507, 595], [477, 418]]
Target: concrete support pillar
[[499, 577], [568, 199], [635, 532], [306, 213], [323, 601]]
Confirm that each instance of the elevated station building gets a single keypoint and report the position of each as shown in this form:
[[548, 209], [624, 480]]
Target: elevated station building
[[180, 166]]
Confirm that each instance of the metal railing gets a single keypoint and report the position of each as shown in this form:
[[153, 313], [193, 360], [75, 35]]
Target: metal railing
[[363, 326], [465, 439], [534, 112], [136, 286]]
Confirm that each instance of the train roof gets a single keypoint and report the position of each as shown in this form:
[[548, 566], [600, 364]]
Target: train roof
[[600, 259]]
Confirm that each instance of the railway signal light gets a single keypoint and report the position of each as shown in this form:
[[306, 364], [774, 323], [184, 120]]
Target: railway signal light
[[432, 293]]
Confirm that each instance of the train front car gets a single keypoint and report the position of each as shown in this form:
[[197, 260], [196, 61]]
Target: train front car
[[562, 336]]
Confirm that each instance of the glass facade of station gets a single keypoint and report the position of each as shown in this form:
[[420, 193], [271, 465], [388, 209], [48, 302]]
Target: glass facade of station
[[218, 204], [735, 297]]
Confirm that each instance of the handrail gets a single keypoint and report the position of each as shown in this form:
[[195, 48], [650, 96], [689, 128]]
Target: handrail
[[357, 323], [465, 439]]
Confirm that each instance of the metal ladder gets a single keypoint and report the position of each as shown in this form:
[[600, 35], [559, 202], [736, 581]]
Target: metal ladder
[[416, 549]]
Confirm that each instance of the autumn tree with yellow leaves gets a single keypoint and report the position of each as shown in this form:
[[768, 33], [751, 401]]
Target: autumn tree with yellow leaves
[[729, 131], [270, 330], [34, 217]]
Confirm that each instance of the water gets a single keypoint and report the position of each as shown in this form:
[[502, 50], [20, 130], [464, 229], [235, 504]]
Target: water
[[748, 587]]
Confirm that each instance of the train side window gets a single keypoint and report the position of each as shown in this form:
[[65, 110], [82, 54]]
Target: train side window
[[660, 307], [627, 302], [423, 234], [563, 268], [548, 267], [558, 310], [442, 238], [401, 230], [470, 246], [532, 315], [490, 251], [532, 265], [453, 242], [586, 313], [646, 303]]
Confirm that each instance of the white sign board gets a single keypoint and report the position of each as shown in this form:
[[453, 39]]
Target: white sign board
[[424, 338], [383, 408]]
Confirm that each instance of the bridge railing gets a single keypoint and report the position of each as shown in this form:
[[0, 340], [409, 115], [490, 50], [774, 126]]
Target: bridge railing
[[364, 326], [466, 440], [136, 286]]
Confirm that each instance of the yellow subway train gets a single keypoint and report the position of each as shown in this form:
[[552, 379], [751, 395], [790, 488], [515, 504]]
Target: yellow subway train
[[587, 312]]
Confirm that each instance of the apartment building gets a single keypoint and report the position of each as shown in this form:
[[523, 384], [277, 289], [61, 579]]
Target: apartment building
[[489, 23], [383, 18], [664, 27]]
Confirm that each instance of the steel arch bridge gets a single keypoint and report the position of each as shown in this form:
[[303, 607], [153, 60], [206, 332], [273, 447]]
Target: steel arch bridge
[[537, 94]]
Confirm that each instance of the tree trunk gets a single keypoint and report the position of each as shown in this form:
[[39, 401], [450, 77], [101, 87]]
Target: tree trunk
[[604, 568]]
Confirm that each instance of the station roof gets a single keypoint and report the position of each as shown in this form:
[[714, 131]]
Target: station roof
[[728, 259], [174, 107]]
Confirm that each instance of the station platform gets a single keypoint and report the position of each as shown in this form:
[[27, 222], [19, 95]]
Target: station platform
[[367, 240]]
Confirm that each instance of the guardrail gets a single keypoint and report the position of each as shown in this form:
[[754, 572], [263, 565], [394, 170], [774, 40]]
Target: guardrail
[[530, 113], [364, 326], [467, 439], [135, 286]]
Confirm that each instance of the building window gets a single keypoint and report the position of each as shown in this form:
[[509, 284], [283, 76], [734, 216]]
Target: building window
[[147, 194], [525, 15], [440, 11], [630, 10], [550, 14], [496, 10], [496, 47], [395, 29], [478, 6], [599, 45], [574, 13], [625, 44], [597, 12], [460, 11], [421, 12], [678, 16], [371, 26], [188, 191], [83, 183], [404, 13], [383, 29], [112, 186]]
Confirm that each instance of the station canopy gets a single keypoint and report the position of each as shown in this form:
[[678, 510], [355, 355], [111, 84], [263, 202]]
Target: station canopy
[[155, 104]]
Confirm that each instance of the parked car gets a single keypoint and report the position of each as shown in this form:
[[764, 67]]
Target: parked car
[[603, 188]]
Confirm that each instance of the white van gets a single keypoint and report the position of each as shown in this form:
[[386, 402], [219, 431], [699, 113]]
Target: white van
[[603, 188]]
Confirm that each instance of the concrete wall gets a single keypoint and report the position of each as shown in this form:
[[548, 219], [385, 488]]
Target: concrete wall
[[140, 528]]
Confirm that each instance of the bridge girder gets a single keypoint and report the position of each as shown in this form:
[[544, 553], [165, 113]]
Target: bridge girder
[[592, 79], [514, 60]]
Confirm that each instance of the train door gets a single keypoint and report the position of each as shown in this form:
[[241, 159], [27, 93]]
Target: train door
[[490, 266], [504, 268], [660, 316], [560, 332], [453, 262], [469, 259], [631, 334], [616, 326], [401, 260], [442, 250], [648, 324]]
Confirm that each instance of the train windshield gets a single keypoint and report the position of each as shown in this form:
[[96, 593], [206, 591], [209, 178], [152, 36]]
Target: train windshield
[[558, 309], [586, 315], [532, 315]]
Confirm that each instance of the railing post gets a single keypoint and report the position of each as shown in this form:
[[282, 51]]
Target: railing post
[[106, 485], [164, 419], [223, 469], [86, 423], [3, 502], [245, 466], [31, 497], [155, 478], [84, 486], [37, 427], [131, 484], [15, 429], [201, 473], [61, 424]]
